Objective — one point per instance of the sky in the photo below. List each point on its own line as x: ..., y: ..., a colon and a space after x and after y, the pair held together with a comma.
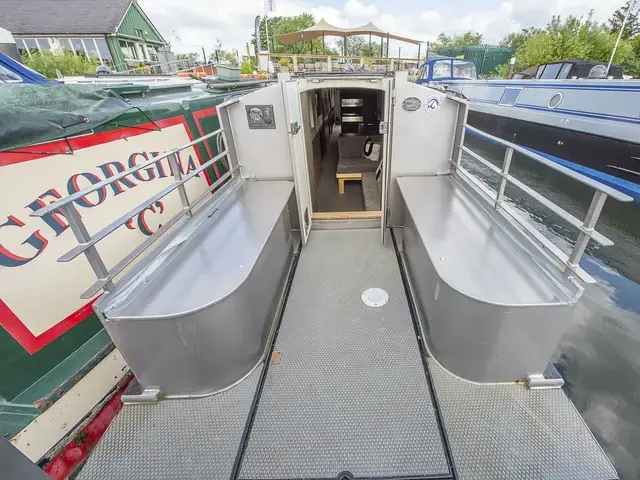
x: 190, y: 25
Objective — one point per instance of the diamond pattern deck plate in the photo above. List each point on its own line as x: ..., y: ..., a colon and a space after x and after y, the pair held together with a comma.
x: 509, y: 432
x: 175, y: 439
x: 349, y: 392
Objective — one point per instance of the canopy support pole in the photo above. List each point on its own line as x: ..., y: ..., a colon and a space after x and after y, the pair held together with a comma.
x: 370, y: 52
x: 323, y: 47
x: 418, y: 64
x: 381, y: 45
x: 387, y: 45
x: 266, y: 31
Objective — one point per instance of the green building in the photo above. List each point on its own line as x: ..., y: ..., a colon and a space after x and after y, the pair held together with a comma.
x: 116, y: 32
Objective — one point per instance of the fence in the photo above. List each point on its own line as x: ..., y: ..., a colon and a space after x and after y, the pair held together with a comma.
x: 487, y: 57
x: 337, y: 63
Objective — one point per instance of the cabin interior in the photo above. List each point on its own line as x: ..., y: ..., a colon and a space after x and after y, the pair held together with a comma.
x: 344, y: 149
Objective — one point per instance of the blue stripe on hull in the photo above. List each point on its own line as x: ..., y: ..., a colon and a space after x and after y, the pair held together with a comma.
x: 630, y: 188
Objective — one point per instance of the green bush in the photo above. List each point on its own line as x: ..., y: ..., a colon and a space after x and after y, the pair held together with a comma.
x: 246, y: 67
x: 67, y: 63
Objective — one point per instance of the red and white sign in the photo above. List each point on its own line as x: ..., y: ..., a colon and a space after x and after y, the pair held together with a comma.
x: 40, y: 297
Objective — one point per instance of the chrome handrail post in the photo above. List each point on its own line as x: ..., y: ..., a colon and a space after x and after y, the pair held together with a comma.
x: 597, y: 203
x: 508, y: 155
x: 177, y: 175
x: 82, y: 235
x: 459, y: 132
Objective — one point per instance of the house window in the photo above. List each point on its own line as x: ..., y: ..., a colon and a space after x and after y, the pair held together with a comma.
x: 43, y: 44
x: 128, y: 50
x: 139, y: 33
x: 103, y: 48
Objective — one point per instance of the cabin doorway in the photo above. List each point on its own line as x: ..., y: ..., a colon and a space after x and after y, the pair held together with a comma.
x: 344, y: 150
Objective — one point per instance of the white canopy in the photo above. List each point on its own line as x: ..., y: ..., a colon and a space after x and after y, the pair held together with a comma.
x: 323, y: 28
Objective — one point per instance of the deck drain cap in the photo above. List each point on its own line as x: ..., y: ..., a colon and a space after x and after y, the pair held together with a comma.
x: 375, y: 297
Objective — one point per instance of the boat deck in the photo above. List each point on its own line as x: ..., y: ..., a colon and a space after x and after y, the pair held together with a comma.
x: 348, y: 394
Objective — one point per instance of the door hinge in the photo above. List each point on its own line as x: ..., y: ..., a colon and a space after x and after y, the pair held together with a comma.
x: 294, y: 128
x: 384, y: 128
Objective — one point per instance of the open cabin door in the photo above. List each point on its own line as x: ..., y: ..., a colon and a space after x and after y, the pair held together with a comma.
x: 385, y: 130
x: 293, y: 113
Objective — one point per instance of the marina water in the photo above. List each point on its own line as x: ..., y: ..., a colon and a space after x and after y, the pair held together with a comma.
x: 599, y: 356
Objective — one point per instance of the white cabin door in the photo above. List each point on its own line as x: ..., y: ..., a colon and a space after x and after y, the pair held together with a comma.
x: 293, y: 113
x: 385, y: 129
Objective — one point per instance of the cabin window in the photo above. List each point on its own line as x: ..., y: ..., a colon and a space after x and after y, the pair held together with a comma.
x: 539, y: 71
x: 424, y: 71
x: 599, y: 71
x: 510, y: 96
x: 442, y: 69
x: 464, y: 69
x: 551, y: 71
x: 566, y: 70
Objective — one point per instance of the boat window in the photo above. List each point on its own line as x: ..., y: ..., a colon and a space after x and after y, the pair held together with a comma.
x: 423, y: 71
x: 510, y: 96
x: 464, y: 69
x: 566, y: 70
x: 442, y: 69
x: 598, y: 71
x: 8, y: 76
x: 540, y: 71
x: 551, y: 70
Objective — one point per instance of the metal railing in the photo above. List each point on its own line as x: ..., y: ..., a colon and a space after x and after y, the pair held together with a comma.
x: 585, y: 227
x: 336, y: 62
x: 87, y: 242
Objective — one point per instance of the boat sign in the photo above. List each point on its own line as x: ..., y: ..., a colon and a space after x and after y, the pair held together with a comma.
x: 411, y: 104
x: 30, y: 246
x: 432, y: 105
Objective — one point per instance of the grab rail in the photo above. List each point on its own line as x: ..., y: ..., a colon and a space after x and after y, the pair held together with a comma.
x: 586, y: 226
x: 87, y: 243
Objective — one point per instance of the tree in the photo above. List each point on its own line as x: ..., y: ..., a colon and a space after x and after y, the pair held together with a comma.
x: 632, y: 27
x: 516, y: 39
x: 467, y: 39
x: 66, y: 63
x: 225, y: 57
x: 279, y: 25
x: 576, y: 37
x: 192, y: 57
x: 358, y: 46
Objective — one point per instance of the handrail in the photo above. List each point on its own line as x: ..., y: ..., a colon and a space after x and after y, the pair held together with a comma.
x: 586, y: 227
x: 104, y: 183
x: 113, y: 226
x: 613, y: 193
x: 87, y: 243
x: 142, y: 247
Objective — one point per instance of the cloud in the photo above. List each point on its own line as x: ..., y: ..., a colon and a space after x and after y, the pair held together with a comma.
x: 190, y: 25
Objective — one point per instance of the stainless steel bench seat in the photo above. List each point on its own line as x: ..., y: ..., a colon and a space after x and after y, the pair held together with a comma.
x: 201, y: 320
x: 493, y: 309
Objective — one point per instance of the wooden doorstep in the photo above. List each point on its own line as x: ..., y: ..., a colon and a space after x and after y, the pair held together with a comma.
x: 346, y: 215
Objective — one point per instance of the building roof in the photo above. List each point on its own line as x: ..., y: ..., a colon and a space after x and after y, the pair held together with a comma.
x: 60, y: 17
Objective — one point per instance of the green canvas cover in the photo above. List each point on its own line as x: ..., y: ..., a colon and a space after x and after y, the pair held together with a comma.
x: 32, y: 114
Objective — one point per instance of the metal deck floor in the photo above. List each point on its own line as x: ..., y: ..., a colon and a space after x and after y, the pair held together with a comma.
x: 350, y: 392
